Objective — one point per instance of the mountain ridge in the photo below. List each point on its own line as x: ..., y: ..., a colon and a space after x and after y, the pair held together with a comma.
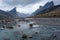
x: 48, y: 5
x: 48, y: 10
x: 51, y: 14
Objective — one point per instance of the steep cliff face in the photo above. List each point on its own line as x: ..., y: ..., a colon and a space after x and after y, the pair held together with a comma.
x: 53, y: 13
x: 7, y: 18
x: 5, y: 14
x: 13, y: 12
x: 48, y: 5
x: 8, y: 14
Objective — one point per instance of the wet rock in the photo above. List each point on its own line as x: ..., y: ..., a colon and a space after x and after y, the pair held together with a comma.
x: 10, y: 27
x: 24, y: 36
x: 19, y: 25
x: 30, y: 36
x: 2, y: 28
x: 2, y: 21
x: 36, y: 32
x: 30, y: 25
x: 27, y: 20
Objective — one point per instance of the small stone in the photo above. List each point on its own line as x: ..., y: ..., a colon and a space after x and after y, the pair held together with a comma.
x: 24, y: 36
x: 36, y: 32
x: 30, y: 25
x: 30, y: 36
x: 10, y: 27
x: 2, y: 28
x: 19, y: 25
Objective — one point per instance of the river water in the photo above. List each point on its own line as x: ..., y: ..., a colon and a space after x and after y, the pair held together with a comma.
x: 43, y: 29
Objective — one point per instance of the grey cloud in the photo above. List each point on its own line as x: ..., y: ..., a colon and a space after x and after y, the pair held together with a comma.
x: 56, y: 2
x: 26, y: 2
x: 20, y: 2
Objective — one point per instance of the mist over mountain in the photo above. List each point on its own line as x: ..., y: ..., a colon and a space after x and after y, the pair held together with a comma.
x: 22, y: 14
x: 49, y: 6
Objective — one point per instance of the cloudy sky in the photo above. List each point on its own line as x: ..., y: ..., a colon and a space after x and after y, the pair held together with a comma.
x: 24, y: 6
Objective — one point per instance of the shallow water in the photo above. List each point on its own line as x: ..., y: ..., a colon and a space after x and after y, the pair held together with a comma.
x: 42, y: 30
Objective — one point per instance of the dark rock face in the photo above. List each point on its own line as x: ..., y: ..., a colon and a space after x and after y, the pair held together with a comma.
x: 5, y: 14
x: 13, y: 12
x: 10, y: 14
x: 42, y: 8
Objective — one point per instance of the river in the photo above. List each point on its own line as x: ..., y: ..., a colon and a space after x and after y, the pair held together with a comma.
x: 43, y: 29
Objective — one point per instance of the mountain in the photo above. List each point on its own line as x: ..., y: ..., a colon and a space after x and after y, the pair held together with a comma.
x: 17, y: 14
x: 47, y: 7
x: 13, y: 12
x: 5, y: 14
x: 22, y: 14
x: 54, y: 12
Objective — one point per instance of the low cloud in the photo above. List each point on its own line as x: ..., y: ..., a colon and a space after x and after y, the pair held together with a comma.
x: 56, y: 2
x: 24, y: 6
x: 20, y: 2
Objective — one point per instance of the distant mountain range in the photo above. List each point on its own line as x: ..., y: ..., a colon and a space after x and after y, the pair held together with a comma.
x: 22, y: 14
x: 48, y: 10
x: 13, y: 13
x: 5, y: 14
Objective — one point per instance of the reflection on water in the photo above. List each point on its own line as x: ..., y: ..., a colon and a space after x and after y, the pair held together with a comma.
x: 41, y: 30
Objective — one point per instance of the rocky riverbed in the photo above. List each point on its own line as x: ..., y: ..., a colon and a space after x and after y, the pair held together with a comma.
x: 42, y: 29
